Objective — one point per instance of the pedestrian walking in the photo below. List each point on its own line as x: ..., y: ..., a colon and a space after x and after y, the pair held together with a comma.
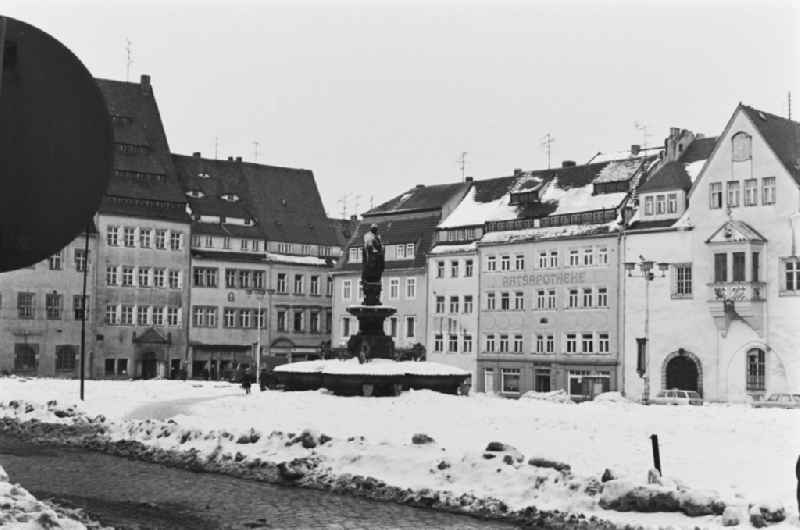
x: 262, y: 380
x: 246, y: 382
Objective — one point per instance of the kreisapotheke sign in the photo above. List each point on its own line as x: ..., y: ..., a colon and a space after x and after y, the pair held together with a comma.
x: 538, y: 279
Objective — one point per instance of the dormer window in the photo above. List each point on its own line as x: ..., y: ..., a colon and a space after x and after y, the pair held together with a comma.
x: 230, y: 197
x: 195, y: 194
x: 742, y: 147
x: 524, y: 197
x: 203, y: 175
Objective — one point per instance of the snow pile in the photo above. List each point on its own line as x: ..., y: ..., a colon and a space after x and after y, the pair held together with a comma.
x: 555, y: 396
x: 693, y: 168
x: 619, y: 171
x: 611, y: 397
x: 299, y: 260
x: 582, y: 199
x: 301, y: 367
x: 549, y: 232
x: 373, y: 367
x: 429, y: 368
x: 353, y: 367
x: 20, y: 509
x: 454, y: 249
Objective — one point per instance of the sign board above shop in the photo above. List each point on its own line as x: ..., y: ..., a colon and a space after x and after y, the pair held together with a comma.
x: 605, y: 275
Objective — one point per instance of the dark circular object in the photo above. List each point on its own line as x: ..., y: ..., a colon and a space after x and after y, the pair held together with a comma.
x: 56, y: 145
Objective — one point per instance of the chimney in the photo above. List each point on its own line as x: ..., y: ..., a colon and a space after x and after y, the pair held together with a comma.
x: 230, y: 159
x: 196, y: 154
x: 418, y: 186
x: 674, y: 132
x: 568, y: 163
x: 468, y: 179
x: 238, y: 159
x: 354, y: 217
x: 635, y: 148
x: 144, y: 83
x: 517, y: 171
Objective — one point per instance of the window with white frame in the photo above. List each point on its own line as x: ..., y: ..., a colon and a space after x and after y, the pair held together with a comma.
x: 144, y: 237
x: 503, y: 343
x: 111, y: 275
x: 112, y: 236
x: 602, y: 296
x: 175, y: 241
x: 314, y: 286
x: 411, y: 288
x: 756, y: 370
x: 574, y: 258
x: 602, y: 343
x: 550, y: 344
x: 733, y: 193
x: 588, y: 257
x: 768, y: 190
x: 682, y: 280
x: 519, y: 262
x: 573, y: 298
x: 159, y: 277
x: 505, y: 301
x: 491, y: 263
x: 751, y: 192
x: 571, y: 342
x: 347, y: 289
x: 111, y: 314
x: 440, y: 304
x: 454, y: 269
x: 505, y: 263
x: 411, y: 327
x: 298, y: 284
x: 56, y: 261
x: 209, y: 242
x: 672, y: 203
x: 539, y: 343
x: 466, y: 343
x: 175, y: 279
x: 127, y: 276
x: 440, y: 269
x: 126, y: 315
x: 394, y: 288
x: 489, y: 343
x: 282, y: 287
x: 452, y: 343
x: 129, y: 236
x: 158, y: 315
x: 715, y: 195
x: 542, y: 260
x: 551, y: 299
x: 491, y: 301
x: 602, y: 256
x: 519, y: 301
x: 438, y: 345
x: 143, y: 314
x: 541, y: 299
x: 173, y: 316
x: 587, y: 343
x: 648, y: 205
x: 161, y: 239
x: 468, y: 268
x: 791, y: 269
x: 354, y: 255
x: 517, y: 345
x: 509, y: 380
x: 144, y: 275
x: 660, y: 204
x: 468, y: 303
x: 587, y: 297
x: 454, y: 304
x: 553, y: 259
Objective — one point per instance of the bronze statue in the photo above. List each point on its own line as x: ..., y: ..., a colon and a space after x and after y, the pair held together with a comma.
x: 372, y: 264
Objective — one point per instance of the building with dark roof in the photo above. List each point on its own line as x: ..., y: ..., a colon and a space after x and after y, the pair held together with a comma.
x: 711, y: 298
x: 141, y: 294
x: 406, y: 224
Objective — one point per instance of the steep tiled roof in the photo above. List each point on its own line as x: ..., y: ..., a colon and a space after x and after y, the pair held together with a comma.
x: 344, y: 229
x: 420, y: 198
x: 699, y: 149
x: 287, y: 204
x: 417, y: 230
x: 224, y: 177
x: 670, y: 176
x: 145, y: 172
x: 782, y: 135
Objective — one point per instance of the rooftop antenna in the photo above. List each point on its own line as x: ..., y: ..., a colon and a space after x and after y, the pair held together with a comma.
x: 462, y: 163
x: 216, y: 147
x: 129, y: 62
x: 343, y: 202
x: 371, y: 202
x: 357, y: 197
x: 255, y: 150
x: 645, y: 135
x: 789, y: 97
x: 546, y: 142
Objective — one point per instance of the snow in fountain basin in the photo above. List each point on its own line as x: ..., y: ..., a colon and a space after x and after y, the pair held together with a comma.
x: 372, y: 367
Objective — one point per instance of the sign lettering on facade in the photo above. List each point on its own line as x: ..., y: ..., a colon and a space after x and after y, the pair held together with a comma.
x: 543, y: 278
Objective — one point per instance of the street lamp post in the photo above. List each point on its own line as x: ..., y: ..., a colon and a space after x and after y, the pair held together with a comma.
x: 260, y: 293
x: 645, y: 272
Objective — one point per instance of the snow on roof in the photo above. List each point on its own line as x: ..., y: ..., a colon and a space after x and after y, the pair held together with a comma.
x: 550, y: 232
x: 693, y: 168
x: 452, y: 249
x: 574, y: 200
x: 470, y: 212
x: 299, y: 260
x: 619, y: 171
x: 624, y: 155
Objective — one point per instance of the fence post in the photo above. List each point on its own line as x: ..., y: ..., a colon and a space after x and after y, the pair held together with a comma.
x: 656, y: 453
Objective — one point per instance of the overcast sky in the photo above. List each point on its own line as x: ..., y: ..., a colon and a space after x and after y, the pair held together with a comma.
x: 377, y: 99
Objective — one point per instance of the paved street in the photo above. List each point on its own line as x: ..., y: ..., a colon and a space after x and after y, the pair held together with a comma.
x: 138, y: 495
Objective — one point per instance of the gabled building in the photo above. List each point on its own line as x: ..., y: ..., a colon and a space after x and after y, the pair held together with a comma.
x: 406, y: 225
x: 41, y: 313
x: 141, y: 295
x: 711, y: 296
x: 262, y: 251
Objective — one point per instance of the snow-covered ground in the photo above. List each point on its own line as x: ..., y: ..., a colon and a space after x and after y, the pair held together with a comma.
x: 746, y: 455
x: 19, y: 509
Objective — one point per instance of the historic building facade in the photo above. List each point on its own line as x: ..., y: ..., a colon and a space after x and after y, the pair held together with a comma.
x: 712, y: 299
x: 41, y: 314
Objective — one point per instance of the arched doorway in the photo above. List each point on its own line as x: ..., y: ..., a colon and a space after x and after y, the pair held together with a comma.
x: 682, y: 372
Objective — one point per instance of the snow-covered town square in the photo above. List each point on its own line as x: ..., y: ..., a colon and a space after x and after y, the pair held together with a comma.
x: 399, y: 265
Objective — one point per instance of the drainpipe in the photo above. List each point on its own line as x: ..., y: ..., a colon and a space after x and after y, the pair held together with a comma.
x: 621, y: 339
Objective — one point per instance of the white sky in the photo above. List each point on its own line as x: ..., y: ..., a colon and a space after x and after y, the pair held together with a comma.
x: 378, y: 98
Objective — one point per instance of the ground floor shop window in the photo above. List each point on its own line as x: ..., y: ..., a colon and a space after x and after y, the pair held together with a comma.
x: 756, y: 369
x: 585, y: 384
x: 25, y: 357
x: 65, y: 358
x: 510, y: 380
x: 116, y: 367
x: 488, y: 379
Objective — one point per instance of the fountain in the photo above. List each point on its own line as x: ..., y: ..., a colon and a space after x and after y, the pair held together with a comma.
x: 377, y: 371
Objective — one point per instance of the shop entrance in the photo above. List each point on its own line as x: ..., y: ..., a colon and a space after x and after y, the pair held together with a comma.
x: 149, y: 365
x: 682, y: 373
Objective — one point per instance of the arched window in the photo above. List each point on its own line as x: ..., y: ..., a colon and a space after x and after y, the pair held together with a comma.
x: 756, y: 368
x: 742, y: 147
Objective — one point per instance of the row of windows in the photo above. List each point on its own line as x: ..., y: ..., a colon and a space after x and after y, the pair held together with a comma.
x: 454, y: 306
x: 547, y: 300
x: 131, y: 236
x: 250, y: 318
x: 199, y: 241
x: 129, y: 276
x: 26, y: 357
x: 53, y: 306
x: 409, y: 291
x: 298, y: 284
x: 402, y: 251
x: 572, y: 342
x: 391, y: 327
x: 661, y: 204
x: 56, y: 261
x: 733, y: 195
x: 549, y: 259
x: 454, y: 268
x: 145, y: 315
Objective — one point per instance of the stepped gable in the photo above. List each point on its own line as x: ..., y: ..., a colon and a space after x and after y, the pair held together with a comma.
x: 420, y: 198
x: 287, y: 204
x: 417, y: 230
x: 670, y: 176
x: 144, y: 183
x: 781, y: 134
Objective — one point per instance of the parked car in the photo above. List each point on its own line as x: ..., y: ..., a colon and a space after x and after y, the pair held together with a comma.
x: 677, y: 397
x: 779, y: 401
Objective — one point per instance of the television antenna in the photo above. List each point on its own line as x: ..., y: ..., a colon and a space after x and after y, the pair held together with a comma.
x: 129, y: 61
x: 462, y: 163
x: 645, y: 135
x: 546, y: 142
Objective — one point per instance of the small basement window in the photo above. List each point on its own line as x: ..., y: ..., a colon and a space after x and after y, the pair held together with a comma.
x: 230, y: 197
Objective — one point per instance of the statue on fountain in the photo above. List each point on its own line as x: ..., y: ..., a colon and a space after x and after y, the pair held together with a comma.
x: 372, y: 265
